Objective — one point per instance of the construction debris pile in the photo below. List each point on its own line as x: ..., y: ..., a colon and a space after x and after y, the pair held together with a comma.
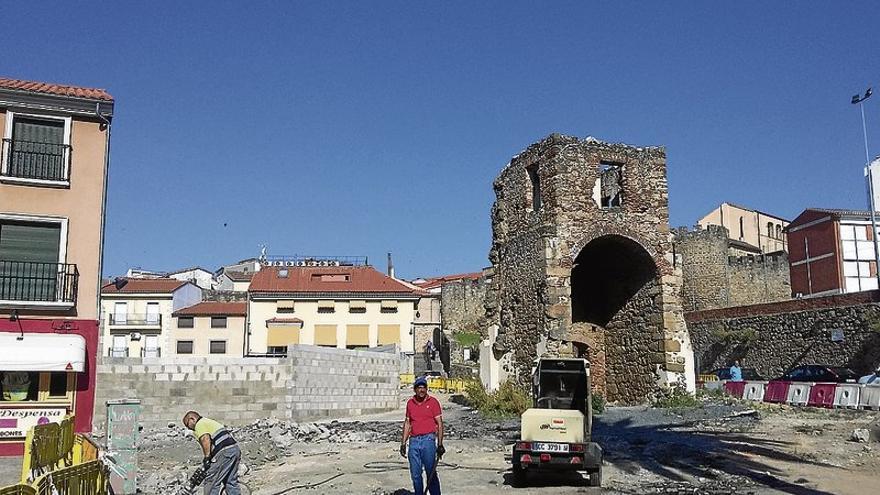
x: 267, y: 440
x: 720, y: 447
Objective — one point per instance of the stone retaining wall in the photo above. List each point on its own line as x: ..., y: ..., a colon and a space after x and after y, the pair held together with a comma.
x: 311, y: 383
x: 841, y: 330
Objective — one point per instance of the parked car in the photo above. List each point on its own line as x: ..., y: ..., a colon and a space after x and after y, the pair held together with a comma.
x: 820, y: 373
x: 747, y: 374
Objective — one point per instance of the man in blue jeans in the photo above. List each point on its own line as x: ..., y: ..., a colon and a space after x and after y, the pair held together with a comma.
x: 423, y: 429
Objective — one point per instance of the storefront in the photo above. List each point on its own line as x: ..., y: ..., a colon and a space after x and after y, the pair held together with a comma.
x: 47, y: 371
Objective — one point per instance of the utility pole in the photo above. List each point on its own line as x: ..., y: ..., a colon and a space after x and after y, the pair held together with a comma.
x: 860, y: 101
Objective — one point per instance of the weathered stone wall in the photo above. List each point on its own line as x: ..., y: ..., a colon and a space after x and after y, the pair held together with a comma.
x: 565, y: 257
x: 776, y: 337
x: 713, y: 279
x: 704, y: 267
x: 463, y: 309
x: 758, y: 279
x: 311, y: 383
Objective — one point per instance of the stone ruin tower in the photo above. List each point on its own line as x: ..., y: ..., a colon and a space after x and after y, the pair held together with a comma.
x: 584, y: 266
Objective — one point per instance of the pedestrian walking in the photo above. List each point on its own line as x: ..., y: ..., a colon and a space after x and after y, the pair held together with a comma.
x: 221, y: 454
x: 423, y: 434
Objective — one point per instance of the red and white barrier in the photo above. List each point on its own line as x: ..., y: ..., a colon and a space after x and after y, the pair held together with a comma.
x: 846, y: 395
x: 869, y: 397
x: 798, y: 393
x: 828, y: 395
x: 754, y: 391
x: 822, y: 395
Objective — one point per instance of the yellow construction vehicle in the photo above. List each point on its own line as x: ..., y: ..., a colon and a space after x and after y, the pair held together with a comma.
x: 556, y: 431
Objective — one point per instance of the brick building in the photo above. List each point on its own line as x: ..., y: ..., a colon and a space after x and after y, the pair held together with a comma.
x: 831, y: 251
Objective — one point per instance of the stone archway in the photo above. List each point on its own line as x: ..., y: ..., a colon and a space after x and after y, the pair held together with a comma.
x: 617, y: 314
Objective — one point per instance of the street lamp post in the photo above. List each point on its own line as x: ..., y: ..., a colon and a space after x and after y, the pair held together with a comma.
x: 860, y: 100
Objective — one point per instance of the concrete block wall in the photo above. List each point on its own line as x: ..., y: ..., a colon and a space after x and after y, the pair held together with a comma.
x: 329, y: 383
x: 311, y: 383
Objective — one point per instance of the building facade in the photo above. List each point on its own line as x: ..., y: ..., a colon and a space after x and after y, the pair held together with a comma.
x: 197, y: 275
x: 53, y: 180
x: 209, y: 329
x: 234, y: 281
x: 137, y: 314
x: 761, y: 232
x: 831, y: 252
x: 338, y: 306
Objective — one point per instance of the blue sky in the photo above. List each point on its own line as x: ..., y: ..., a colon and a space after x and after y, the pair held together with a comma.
x: 357, y: 128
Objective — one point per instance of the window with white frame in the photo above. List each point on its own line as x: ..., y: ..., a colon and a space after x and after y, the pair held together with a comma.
x: 32, y: 254
x: 36, y: 148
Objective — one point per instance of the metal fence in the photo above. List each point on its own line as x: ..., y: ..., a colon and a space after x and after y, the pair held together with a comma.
x: 90, y: 478
x: 135, y: 319
x: 36, y: 160
x: 38, y: 281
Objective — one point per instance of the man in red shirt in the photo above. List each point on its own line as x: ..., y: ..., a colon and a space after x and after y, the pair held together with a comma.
x: 423, y: 429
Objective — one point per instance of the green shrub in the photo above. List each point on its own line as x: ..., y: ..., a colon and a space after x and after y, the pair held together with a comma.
x: 675, y: 397
x: 468, y: 339
x: 509, y: 400
x: 598, y: 403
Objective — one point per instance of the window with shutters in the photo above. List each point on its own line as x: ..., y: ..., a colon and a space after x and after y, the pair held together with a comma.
x: 32, y: 267
x: 184, y: 346
x: 36, y: 149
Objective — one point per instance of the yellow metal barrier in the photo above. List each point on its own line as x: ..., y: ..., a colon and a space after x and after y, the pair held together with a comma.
x: 91, y: 478
x: 18, y: 490
x: 448, y: 385
x: 46, y: 446
x: 707, y: 378
x: 58, y: 461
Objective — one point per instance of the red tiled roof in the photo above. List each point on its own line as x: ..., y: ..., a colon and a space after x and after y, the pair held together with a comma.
x: 55, y: 89
x: 365, y: 279
x: 214, y: 308
x: 144, y: 286
x: 434, y: 282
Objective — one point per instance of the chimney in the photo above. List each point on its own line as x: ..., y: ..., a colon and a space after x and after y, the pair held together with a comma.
x: 390, y: 266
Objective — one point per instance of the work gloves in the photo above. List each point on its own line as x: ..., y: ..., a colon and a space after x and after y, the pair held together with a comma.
x: 206, y: 463
x: 440, y: 450
x: 403, y: 450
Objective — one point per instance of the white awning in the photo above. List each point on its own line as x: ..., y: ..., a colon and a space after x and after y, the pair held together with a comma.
x: 42, y: 352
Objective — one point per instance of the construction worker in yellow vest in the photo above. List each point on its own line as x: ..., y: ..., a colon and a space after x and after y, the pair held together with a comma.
x: 221, y: 453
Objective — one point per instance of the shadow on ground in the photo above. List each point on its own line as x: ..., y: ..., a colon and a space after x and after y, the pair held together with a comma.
x: 682, y: 452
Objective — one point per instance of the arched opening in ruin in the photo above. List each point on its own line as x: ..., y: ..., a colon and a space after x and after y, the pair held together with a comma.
x: 616, y: 311
x: 607, y: 273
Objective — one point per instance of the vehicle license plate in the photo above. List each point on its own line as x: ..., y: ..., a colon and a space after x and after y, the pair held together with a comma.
x: 551, y: 447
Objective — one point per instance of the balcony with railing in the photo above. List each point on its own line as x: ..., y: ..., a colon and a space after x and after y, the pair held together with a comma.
x: 136, y: 320
x: 117, y: 352
x: 37, y: 283
x: 35, y: 161
x: 151, y: 352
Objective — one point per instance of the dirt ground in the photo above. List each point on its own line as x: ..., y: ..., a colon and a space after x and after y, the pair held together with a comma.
x: 718, y: 448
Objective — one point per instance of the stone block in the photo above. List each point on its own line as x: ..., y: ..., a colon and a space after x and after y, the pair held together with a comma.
x: 675, y: 367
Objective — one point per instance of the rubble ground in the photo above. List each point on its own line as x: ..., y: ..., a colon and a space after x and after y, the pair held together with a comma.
x: 720, y: 447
